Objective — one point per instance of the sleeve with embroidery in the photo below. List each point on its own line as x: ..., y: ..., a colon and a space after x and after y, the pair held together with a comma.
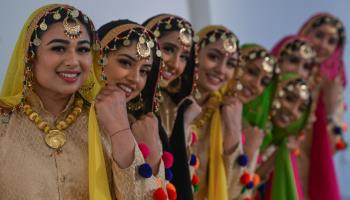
x: 130, y: 185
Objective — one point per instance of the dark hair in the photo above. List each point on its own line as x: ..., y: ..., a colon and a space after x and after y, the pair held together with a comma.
x: 148, y: 94
x: 49, y: 19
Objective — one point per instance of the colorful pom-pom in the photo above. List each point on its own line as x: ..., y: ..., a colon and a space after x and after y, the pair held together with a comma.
x: 159, y: 194
x: 195, y: 188
x: 168, y: 159
x: 243, y: 137
x: 144, y: 150
x: 242, y: 160
x: 340, y: 145
x: 245, y: 178
x: 194, y: 138
x: 195, y: 179
x: 171, y: 191
x: 256, y: 179
x: 168, y: 174
x: 250, y: 185
x: 145, y: 170
x: 193, y: 160
x: 337, y: 130
x: 296, y: 152
x: 259, y: 160
x: 196, y: 166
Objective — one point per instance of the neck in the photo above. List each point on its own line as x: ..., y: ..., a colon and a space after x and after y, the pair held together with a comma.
x: 53, y: 102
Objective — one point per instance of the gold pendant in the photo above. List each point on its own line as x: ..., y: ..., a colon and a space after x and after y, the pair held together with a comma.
x: 55, y: 139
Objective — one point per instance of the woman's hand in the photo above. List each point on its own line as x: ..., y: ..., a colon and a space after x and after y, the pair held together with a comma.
x: 113, y: 118
x: 111, y: 109
x: 231, y: 114
x: 145, y: 130
x: 253, y: 140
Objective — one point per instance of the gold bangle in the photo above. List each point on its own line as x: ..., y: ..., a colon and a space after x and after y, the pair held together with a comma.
x: 115, y: 133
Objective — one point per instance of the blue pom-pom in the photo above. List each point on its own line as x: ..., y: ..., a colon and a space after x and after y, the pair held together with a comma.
x: 262, y: 187
x: 145, y: 170
x: 168, y: 174
x: 193, y: 160
x: 242, y: 160
x: 337, y: 130
x: 250, y: 185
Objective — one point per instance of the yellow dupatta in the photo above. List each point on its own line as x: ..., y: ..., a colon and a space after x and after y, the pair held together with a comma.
x: 217, y: 174
x: 11, y: 95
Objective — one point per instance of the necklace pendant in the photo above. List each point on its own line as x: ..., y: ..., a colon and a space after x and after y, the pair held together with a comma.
x: 55, y: 139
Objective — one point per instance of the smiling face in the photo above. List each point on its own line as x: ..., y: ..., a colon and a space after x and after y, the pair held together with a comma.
x: 254, y: 79
x: 325, y: 39
x: 216, y: 66
x: 292, y: 106
x: 175, y: 56
x: 296, y: 63
x: 127, y: 70
x: 62, y: 64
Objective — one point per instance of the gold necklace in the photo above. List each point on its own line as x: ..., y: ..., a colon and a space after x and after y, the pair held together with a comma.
x: 55, y: 138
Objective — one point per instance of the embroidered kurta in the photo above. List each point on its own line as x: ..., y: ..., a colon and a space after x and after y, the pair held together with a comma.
x: 31, y: 170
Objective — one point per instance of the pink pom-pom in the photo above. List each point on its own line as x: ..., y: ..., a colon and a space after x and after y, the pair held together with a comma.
x: 144, y: 150
x: 194, y: 138
x: 243, y: 137
x: 168, y: 159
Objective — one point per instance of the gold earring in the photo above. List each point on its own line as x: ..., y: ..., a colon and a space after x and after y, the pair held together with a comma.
x: 175, y: 86
x: 136, y: 106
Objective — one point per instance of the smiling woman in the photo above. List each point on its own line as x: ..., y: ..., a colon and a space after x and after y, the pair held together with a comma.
x: 43, y: 131
x: 129, y: 61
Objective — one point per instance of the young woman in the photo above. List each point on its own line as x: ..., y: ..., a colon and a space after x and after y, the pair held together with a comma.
x: 129, y: 63
x: 44, y: 100
x: 258, y: 70
x: 218, y: 141
x: 289, y: 115
x: 177, y: 108
x: 327, y: 35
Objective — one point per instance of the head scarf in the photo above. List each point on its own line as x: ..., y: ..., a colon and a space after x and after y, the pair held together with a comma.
x: 12, y: 93
x: 334, y: 65
x: 217, y: 186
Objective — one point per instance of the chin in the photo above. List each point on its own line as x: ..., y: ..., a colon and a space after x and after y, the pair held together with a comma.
x: 279, y: 123
x: 164, y: 83
x: 212, y: 88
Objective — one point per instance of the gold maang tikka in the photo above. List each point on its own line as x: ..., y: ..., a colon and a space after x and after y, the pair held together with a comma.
x: 71, y: 24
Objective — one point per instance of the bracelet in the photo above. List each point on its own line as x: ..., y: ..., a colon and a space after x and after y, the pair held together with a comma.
x: 115, y: 133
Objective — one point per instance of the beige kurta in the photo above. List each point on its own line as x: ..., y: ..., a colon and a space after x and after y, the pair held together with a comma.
x: 31, y: 170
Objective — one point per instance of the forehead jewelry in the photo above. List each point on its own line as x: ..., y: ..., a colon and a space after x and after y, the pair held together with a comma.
x: 71, y: 24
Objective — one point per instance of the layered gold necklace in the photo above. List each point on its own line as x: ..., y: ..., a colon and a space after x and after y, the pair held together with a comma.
x: 55, y: 138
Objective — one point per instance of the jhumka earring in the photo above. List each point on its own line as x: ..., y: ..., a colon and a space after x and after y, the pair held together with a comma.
x: 175, y: 86
x: 197, y: 93
x: 136, y: 106
x: 103, y: 62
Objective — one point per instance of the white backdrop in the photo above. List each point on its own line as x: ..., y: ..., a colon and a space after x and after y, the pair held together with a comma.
x: 263, y: 22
